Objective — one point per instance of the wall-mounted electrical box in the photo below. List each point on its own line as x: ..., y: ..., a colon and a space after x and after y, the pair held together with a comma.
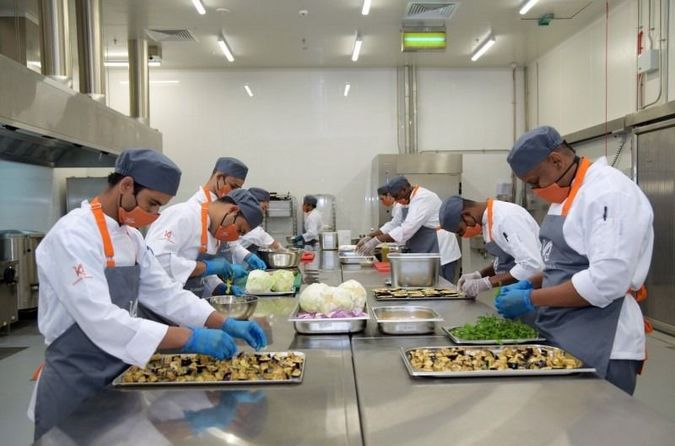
x: 648, y: 61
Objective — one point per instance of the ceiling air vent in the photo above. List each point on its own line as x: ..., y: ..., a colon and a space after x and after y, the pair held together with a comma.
x: 171, y: 35
x: 430, y: 10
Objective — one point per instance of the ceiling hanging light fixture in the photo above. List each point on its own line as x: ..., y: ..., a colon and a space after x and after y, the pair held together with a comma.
x: 222, y: 43
x: 199, y: 6
x: 527, y: 6
x: 482, y: 49
x: 358, y: 41
x: 366, y: 7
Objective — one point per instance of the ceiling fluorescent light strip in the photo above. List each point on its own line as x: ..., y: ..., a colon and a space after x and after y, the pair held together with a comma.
x: 366, y: 7
x: 248, y: 90
x: 358, y: 41
x: 222, y: 43
x: 199, y: 6
x: 483, y: 48
x: 348, y: 86
x: 527, y: 6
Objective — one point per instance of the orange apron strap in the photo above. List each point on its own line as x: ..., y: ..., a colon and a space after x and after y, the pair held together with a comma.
x: 490, y: 215
x: 205, y: 218
x: 97, y: 209
x: 578, y: 181
x: 207, y: 194
x: 639, y: 295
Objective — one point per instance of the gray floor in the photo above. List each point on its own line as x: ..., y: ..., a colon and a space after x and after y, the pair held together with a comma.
x: 656, y: 387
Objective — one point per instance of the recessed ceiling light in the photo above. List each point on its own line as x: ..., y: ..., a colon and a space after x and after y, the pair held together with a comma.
x: 482, y: 49
x: 222, y: 43
x: 358, y: 41
x: 527, y: 6
x: 348, y: 86
x: 199, y: 6
x: 366, y: 7
x: 223, y: 10
x: 248, y: 90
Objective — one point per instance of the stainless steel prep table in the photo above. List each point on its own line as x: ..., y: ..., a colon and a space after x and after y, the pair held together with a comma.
x: 396, y: 409
x: 391, y: 407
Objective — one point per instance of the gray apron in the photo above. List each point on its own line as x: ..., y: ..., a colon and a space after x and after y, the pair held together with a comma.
x: 75, y: 368
x: 503, y: 261
x: 425, y: 241
x: 586, y: 332
x: 196, y: 284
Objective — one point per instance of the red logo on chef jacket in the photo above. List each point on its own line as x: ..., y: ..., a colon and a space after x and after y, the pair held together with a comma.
x: 168, y: 235
x: 80, y: 273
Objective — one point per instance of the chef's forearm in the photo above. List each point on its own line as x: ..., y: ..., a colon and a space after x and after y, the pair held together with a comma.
x: 386, y: 238
x: 175, y: 337
x: 563, y: 295
x: 200, y: 269
x: 488, y: 271
x: 215, y: 320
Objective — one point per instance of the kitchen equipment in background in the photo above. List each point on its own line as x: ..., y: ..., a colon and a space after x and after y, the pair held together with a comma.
x: 79, y: 189
x: 288, y: 258
x: 414, y: 270
x: 8, y: 290
x: 22, y: 246
x: 329, y: 241
x: 325, y: 204
x: 344, y: 237
x: 281, y: 217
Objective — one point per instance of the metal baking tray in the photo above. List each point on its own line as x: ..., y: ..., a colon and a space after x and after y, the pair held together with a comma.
x: 460, y: 341
x: 385, y: 298
x: 329, y: 325
x: 118, y: 382
x: 489, y: 373
x: 406, y: 320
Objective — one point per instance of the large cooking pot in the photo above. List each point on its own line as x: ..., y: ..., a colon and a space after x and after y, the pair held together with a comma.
x: 287, y: 258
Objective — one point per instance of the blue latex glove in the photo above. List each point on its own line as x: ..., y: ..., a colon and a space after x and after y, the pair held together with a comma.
x: 255, y: 262
x: 238, y: 271
x: 210, y: 342
x: 237, y: 291
x: 298, y: 241
x: 219, y: 266
x: 249, y: 331
x: 521, y: 285
x: 514, y: 303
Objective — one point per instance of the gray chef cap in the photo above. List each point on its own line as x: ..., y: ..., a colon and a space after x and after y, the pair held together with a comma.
x: 150, y: 169
x: 532, y: 148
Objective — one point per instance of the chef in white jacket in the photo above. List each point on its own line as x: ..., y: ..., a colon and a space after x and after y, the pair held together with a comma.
x: 420, y: 231
x: 312, y: 223
x: 398, y: 214
x: 94, y: 268
x: 597, y: 242
x: 228, y: 174
x: 511, y: 236
x: 187, y: 236
x: 258, y: 238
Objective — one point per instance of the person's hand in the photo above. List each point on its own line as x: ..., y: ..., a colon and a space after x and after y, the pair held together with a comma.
x: 298, y: 241
x: 255, y: 262
x: 220, y: 290
x: 238, y: 271
x: 468, y: 276
x: 521, y: 285
x: 368, y: 247
x: 362, y: 242
x: 206, y: 341
x: 472, y: 287
x: 514, y: 303
x: 249, y: 331
x: 237, y: 291
x: 219, y: 266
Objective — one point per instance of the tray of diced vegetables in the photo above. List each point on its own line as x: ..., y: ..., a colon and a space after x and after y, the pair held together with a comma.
x: 490, y: 329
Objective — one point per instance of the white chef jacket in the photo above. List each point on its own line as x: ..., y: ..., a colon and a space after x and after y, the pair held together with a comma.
x: 423, y: 212
x: 517, y: 234
x: 396, y: 219
x: 73, y: 288
x: 312, y: 225
x: 235, y: 250
x: 611, y: 223
x: 175, y: 239
x: 257, y: 237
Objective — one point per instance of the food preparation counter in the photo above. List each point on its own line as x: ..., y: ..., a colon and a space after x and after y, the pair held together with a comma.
x: 356, y: 391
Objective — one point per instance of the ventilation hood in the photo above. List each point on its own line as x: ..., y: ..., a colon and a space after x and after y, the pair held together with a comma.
x: 45, y: 123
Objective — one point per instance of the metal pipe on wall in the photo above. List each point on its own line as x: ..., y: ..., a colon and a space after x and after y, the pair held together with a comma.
x: 90, y: 48
x: 407, y: 109
x: 55, y: 51
x: 139, y: 93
